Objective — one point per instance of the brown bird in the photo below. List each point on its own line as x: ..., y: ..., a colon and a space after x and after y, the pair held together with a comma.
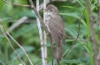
x: 55, y: 26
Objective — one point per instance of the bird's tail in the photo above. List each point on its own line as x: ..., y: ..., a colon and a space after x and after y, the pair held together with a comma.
x: 59, y: 54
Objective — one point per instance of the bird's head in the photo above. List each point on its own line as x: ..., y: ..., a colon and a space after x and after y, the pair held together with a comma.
x: 51, y: 10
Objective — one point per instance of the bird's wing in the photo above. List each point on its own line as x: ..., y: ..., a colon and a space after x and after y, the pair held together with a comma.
x: 57, y: 32
x: 56, y: 29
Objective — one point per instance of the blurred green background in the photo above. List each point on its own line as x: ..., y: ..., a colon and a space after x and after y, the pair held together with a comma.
x: 27, y: 33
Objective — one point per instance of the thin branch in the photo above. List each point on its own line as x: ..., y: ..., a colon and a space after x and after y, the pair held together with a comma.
x: 38, y: 15
x: 99, y: 17
x: 45, y: 36
x: 16, y: 4
x: 41, y: 6
x: 1, y: 28
x: 41, y: 20
x: 76, y: 37
x: 40, y: 34
x: 98, y: 56
x: 48, y: 1
x: 20, y: 47
x: 73, y: 42
x: 26, y: 21
x: 6, y: 32
x: 19, y: 22
x: 92, y: 37
x: 33, y: 7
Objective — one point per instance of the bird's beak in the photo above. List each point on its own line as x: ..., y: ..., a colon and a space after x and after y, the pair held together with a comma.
x: 45, y: 10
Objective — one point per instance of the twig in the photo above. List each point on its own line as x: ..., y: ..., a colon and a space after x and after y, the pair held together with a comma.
x: 38, y: 15
x: 41, y: 20
x: 98, y: 56
x: 1, y: 28
x: 73, y: 42
x: 76, y: 37
x: 41, y: 6
x: 45, y: 37
x: 26, y: 21
x: 40, y: 34
x: 20, y: 47
x: 16, y: 4
x: 19, y: 22
x: 92, y: 37
x: 33, y: 7
x: 17, y: 44
x: 48, y: 1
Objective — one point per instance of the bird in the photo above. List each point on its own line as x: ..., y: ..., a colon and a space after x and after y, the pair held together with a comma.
x: 55, y: 27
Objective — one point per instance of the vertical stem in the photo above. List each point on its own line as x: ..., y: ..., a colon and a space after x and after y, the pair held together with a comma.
x: 99, y: 13
x: 1, y: 28
x: 20, y: 47
x: 3, y: 31
x: 45, y: 37
x: 92, y: 37
x: 99, y: 21
x: 6, y: 53
x: 98, y: 57
x: 40, y: 34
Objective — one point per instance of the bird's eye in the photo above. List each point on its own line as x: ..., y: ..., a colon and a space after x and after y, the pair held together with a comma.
x: 50, y: 10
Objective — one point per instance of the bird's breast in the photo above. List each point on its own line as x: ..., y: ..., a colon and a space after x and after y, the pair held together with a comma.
x: 47, y: 16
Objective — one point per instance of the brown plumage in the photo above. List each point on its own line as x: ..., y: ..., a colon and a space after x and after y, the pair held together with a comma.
x: 55, y: 26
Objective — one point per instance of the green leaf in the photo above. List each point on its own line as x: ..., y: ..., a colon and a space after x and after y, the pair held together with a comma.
x: 79, y: 1
x: 73, y: 15
x: 71, y: 32
x: 69, y: 40
x: 97, y: 28
x: 1, y: 4
x: 54, y: 62
x: 48, y: 59
x: 71, y: 61
x: 1, y: 35
x: 14, y: 62
x: 27, y: 13
x: 71, y: 7
x: 25, y: 29
x: 2, y: 62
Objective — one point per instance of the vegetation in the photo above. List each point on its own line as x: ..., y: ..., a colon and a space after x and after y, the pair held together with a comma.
x: 73, y: 12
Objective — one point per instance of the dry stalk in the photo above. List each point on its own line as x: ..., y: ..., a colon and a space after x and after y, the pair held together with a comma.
x: 3, y: 31
x: 41, y: 36
x: 6, y: 32
x: 16, y: 4
x: 45, y: 36
x: 98, y: 56
x: 19, y: 22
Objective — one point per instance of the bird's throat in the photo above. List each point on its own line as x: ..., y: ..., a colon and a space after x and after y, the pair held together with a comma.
x: 48, y: 17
